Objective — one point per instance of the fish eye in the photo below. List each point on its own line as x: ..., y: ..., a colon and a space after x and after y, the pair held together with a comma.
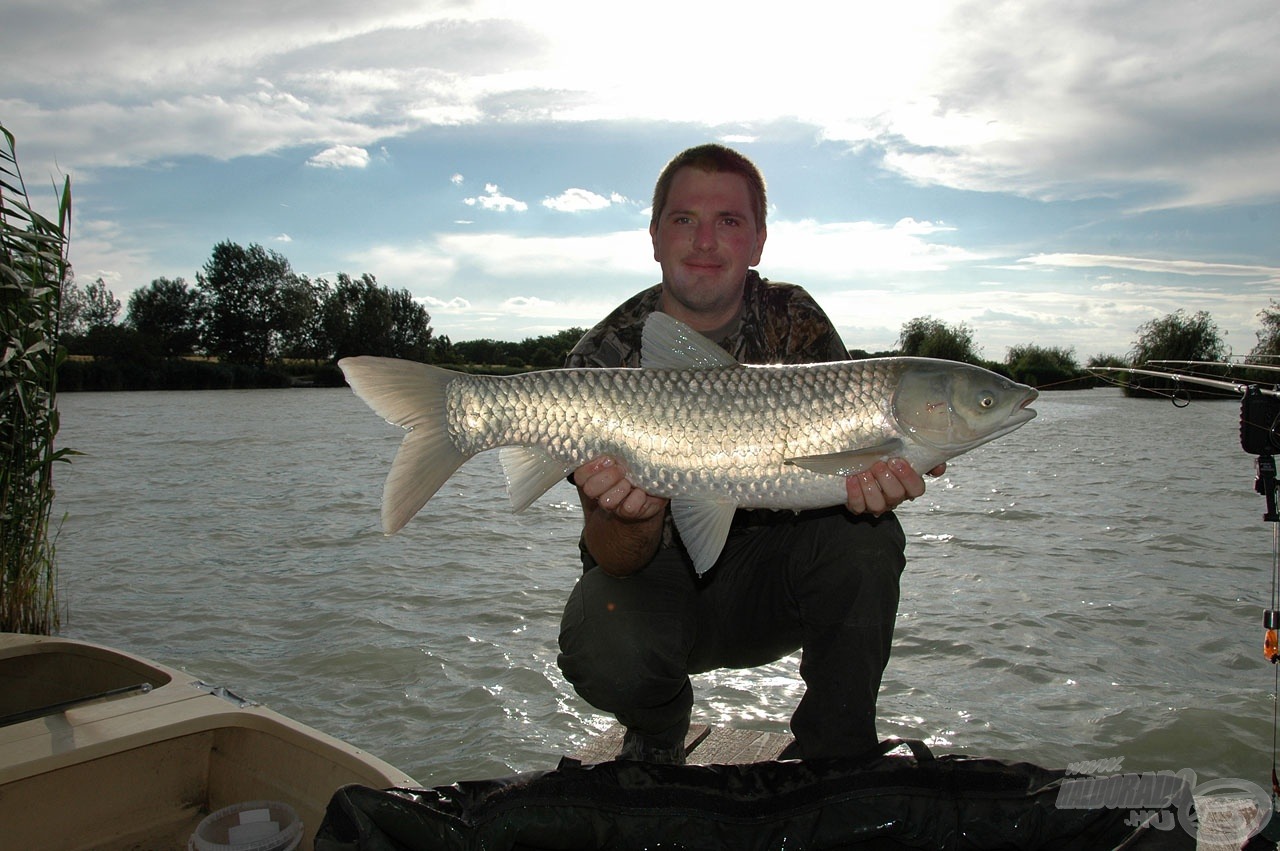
x: 987, y: 400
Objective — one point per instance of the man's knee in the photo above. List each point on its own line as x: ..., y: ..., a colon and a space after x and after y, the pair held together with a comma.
x: 622, y: 645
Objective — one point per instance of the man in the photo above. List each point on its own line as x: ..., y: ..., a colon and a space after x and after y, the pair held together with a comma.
x: 640, y: 621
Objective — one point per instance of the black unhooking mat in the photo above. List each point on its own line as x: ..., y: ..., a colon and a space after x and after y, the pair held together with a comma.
x: 887, y: 802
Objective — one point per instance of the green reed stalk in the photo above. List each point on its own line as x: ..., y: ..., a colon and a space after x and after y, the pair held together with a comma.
x: 33, y: 269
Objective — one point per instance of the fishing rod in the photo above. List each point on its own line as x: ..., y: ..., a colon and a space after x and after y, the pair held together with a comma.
x: 1178, y: 378
x: 1230, y: 365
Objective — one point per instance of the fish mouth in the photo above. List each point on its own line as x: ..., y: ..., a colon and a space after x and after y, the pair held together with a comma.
x: 1024, y: 413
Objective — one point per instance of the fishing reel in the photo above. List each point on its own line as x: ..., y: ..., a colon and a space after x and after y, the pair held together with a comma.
x: 1259, y: 422
x: 1260, y: 435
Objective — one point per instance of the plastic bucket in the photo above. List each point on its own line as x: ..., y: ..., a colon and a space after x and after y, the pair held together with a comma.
x: 249, y: 826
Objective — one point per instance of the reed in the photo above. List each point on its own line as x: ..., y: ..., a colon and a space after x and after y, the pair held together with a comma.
x: 33, y: 269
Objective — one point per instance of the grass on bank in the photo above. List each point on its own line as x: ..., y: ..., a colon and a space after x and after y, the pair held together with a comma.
x: 33, y: 268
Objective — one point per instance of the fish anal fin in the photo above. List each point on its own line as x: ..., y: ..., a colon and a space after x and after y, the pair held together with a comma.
x: 851, y: 461
x: 530, y: 473
x: 704, y: 526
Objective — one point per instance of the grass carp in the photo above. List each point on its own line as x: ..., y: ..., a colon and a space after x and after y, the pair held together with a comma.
x: 691, y: 425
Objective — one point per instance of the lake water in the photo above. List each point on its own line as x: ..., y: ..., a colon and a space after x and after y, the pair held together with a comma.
x: 1088, y: 587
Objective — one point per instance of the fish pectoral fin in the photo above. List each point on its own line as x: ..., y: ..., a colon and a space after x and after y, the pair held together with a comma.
x: 667, y: 343
x: 704, y: 526
x: 530, y: 473
x: 849, y: 462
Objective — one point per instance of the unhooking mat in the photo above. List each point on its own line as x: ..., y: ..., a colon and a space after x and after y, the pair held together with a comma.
x: 888, y: 802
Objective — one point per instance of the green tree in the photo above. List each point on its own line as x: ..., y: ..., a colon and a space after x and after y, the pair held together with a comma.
x: 362, y: 317
x: 255, y: 303
x: 1268, y: 347
x: 169, y: 313
x: 926, y: 337
x: 410, y: 326
x: 1175, y: 336
x: 73, y: 301
x: 551, y: 351
x: 297, y: 317
x: 1041, y: 366
x: 101, y: 307
x: 483, y: 351
x: 1178, y: 336
x: 1101, y: 359
x: 441, y: 350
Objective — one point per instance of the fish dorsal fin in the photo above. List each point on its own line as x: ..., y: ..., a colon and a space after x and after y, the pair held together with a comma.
x: 667, y: 343
x: 851, y: 461
x: 530, y: 473
x: 704, y: 526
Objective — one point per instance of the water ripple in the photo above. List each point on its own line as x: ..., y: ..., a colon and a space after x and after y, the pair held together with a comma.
x: 1089, y: 586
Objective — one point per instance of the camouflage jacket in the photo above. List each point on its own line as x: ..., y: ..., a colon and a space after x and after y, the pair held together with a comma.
x: 779, y: 323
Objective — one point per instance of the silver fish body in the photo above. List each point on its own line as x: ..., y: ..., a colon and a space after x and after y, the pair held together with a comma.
x: 692, y: 426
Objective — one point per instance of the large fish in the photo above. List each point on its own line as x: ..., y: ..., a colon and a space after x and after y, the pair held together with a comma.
x: 692, y: 425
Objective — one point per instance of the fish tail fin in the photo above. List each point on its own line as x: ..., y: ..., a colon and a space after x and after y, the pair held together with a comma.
x: 412, y: 396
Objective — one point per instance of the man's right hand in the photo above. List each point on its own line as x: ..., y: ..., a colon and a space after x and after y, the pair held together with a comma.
x: 605, y: 481
x: 622, y: 523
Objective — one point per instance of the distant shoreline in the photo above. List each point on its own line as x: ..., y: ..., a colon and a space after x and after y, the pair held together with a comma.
x: 109, y: 375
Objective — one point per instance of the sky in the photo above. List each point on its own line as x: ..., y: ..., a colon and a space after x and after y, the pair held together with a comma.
x: 1045, y: 172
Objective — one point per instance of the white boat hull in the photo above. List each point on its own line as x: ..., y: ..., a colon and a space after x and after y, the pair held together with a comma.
x: 141, y: 770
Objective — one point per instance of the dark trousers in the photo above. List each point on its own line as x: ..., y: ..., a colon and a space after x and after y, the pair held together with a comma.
x: 823, y: 582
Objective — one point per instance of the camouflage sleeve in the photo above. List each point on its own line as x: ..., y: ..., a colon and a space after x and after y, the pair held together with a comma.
x: 615, y: 341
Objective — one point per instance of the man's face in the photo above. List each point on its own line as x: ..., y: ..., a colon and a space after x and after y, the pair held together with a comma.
x: 705, y: 238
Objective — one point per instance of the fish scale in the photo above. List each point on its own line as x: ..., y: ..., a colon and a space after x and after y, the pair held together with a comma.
x: 725, y: 432
x: 692, y: 425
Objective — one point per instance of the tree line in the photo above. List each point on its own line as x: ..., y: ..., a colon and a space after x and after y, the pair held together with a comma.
x: 261, y: 323
x: 249, y: 310
x: 1175, y: 336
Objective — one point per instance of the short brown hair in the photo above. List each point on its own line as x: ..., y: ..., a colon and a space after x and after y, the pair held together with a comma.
x: 711, y: 158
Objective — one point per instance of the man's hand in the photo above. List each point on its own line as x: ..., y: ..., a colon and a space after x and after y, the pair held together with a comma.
x: 885, y: 486
x: 604, y: 481
x: 622, y: 525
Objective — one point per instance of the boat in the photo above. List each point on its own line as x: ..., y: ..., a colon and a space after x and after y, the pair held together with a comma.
x: 102, y: 749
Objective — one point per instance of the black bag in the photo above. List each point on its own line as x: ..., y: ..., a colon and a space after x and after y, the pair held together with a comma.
x: 888, y: 802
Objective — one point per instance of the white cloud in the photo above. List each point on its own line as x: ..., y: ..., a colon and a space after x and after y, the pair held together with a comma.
x: 509, y: 256
x: 530, y: 306
x: 1045, y: 99
x: 578, y: 200
x: 422, y: 264
x: 340, y: 156
x: 798, y: 249
x: 1147, y: 264
x: 454, y: 260
x: 453, y: 305
x: 493, y: 199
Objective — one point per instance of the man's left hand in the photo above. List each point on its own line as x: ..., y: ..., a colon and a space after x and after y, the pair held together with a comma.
x: 885, y: 486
